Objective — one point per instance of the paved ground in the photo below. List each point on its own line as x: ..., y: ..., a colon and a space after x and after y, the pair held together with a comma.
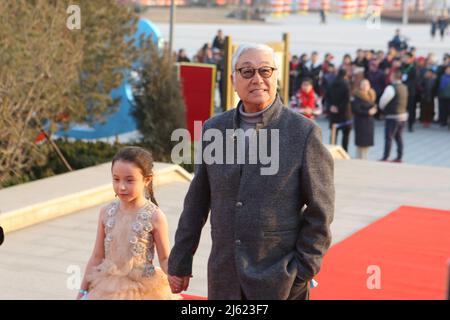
x: 39, y: 262
x: 338, y: 36
x: 425, y: 146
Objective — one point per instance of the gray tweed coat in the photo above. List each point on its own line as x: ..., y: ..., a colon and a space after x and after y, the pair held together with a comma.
x: 268, y: 232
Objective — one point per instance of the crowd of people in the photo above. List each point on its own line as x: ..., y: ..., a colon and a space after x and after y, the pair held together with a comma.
x: 373, y: 85
x: 350, y: 93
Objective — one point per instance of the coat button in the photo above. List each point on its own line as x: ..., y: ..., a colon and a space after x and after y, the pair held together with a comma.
x: 239, y: 204
x: 237, y: 242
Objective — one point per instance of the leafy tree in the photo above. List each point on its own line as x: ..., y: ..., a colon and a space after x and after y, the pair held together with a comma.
x: 52, y: 75
x: 39, y: 64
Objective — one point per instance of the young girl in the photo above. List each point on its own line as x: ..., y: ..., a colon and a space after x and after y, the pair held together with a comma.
x: 129, y: 230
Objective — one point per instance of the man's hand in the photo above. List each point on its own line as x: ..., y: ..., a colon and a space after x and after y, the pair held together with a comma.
x: 179, y: 284
x: 372, y: 111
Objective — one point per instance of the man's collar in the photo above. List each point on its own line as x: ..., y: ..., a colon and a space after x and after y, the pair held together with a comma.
x: 267, y: 117
x: 260, y: 112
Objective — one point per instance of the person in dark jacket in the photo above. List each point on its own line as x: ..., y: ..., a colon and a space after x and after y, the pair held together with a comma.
x: 409, y: 78
x: 302, y: 69
x: 444, y: 96
x: 347, y: 64
x: 442, y: 25
x: 364, y: 108
x: 219, y: 41
x: 399, y: 42
x: 340, y: 108
x: 376, y: 78
x: 440, y: 71
x: 269, y: 228
x: 427, y: 95
x: 386, y: 63
x: 360, y: 60
x: 433, y: 27
x: 314, y: 68
x: 325, y: 85
x: 293, y: 75
x: 182, y: 56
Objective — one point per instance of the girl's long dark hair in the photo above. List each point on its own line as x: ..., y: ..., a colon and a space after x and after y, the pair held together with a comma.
x: 143, y: 160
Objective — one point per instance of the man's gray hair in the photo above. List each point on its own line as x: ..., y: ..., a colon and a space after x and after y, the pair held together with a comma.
x: 256, y: 46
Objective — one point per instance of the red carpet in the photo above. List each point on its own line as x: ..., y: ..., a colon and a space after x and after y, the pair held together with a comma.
x: 411, y: 247
x: 192, y: 297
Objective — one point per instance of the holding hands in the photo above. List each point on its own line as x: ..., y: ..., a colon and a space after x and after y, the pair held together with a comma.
x: 179, y: 284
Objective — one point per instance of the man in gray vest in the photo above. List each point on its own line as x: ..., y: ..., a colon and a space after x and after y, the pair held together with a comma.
x: 394, y: 102
x: 270, y: 226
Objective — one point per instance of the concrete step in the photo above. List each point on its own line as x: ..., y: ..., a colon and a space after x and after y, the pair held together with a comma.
x: 34, y: 202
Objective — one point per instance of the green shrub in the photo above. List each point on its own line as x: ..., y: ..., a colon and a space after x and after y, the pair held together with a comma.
x: 159, y: 106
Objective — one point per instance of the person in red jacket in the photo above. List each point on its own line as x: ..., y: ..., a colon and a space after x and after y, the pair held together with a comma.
x: 306, y: 100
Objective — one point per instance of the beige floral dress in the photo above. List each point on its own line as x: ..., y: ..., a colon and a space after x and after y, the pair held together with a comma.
x: 127, y: 272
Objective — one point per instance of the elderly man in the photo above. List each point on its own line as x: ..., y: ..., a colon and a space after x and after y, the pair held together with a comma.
x: 269, y: 231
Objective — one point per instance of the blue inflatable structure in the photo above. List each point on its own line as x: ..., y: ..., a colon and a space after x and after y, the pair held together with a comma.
x: 120, y: 122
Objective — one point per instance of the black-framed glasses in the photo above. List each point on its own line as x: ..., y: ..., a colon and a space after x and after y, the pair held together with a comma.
x: 248, y: 73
